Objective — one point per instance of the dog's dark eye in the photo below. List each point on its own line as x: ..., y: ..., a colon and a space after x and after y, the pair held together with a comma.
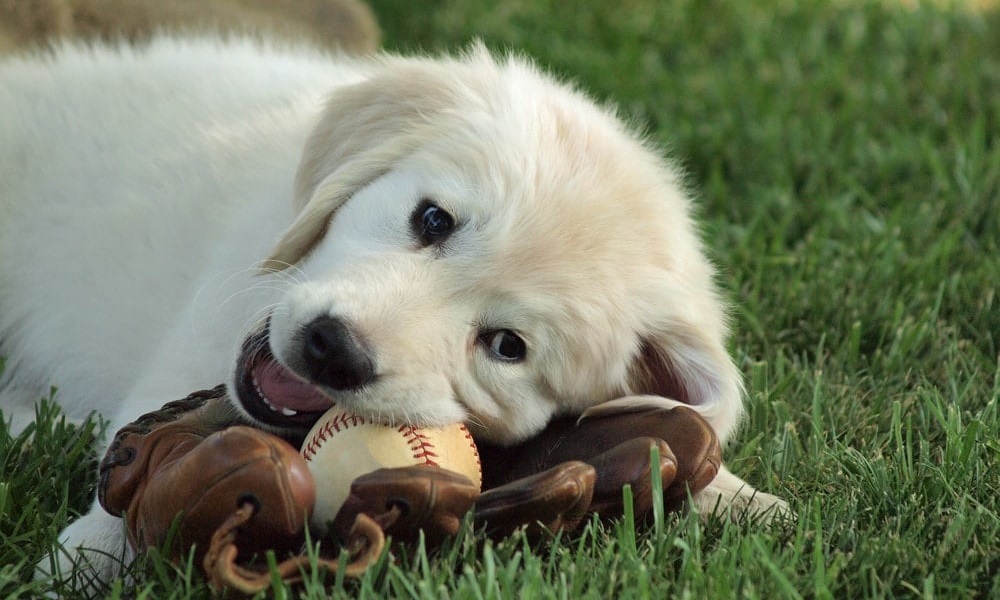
x: 504, y: 344
x: 431, y: 223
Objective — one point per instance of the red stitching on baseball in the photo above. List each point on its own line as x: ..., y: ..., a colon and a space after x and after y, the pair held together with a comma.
x: 337, y: 424
x: 475, y: 449
x: 421, y: 446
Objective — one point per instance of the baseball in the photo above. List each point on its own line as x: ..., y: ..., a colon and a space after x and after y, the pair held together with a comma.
x: 343, y: 446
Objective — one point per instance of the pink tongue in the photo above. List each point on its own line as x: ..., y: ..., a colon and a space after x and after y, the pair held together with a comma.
x: 284, y: 389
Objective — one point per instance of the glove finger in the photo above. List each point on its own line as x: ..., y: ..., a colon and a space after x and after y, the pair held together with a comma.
x: 698, y: 453
x: 691, y: 440
x: 629, y: 464
x: 123, y: 468
x: 227, y: 469
x: 690, y: 437
x: 128, y: 464
x: 549, y: 501
x: 406, y: 500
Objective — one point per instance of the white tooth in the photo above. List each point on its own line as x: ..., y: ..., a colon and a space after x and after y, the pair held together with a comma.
x: 284, y: 411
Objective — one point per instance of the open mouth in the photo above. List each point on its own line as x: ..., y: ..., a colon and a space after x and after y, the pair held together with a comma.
x: 273, y: 394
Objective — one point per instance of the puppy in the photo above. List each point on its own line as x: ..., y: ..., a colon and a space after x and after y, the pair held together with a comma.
x: 419, y: 240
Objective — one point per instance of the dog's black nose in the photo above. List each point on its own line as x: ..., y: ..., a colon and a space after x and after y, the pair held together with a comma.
x: 334, y: 356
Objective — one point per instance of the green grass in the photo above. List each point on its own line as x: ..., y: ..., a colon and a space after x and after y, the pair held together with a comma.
x: 847, y: 156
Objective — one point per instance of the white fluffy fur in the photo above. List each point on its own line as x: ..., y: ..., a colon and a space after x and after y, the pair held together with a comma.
x: 156, y: 205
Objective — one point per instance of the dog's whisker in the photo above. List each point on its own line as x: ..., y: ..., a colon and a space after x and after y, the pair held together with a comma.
x: 288, y: 272
x: 223, y: 305
x: 221, y: 280
x: 256, y: 320
x: 260, y: 315
x: 473, y: 420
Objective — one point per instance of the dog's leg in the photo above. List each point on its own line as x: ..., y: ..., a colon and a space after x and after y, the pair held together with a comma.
x: 92, y: 550
x: 729, y: 494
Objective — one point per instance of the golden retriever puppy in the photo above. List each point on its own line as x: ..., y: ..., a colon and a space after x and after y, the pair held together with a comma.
x: 423, y: 240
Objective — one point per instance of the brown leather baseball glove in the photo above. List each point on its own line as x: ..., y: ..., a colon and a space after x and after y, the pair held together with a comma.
x: 188, y: 476
x: 535, y: 483
x: 184, y: 479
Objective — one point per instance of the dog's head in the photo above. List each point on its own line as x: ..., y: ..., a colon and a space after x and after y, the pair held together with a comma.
x: 477, y: 242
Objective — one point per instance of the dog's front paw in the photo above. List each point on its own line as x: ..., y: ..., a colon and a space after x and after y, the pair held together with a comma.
x: 91, y: 552
x: 730, y: 495
x: 765, y: 508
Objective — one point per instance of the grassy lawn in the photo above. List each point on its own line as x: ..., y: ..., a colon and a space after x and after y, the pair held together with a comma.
x: 847, y: 156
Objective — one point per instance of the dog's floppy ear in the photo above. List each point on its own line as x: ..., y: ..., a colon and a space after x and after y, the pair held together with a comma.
x: 692, y: 367
x: 364, y: 129
x: 329, y: 194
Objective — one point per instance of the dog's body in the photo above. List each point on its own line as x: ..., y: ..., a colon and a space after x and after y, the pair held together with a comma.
x: 419, y: 240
